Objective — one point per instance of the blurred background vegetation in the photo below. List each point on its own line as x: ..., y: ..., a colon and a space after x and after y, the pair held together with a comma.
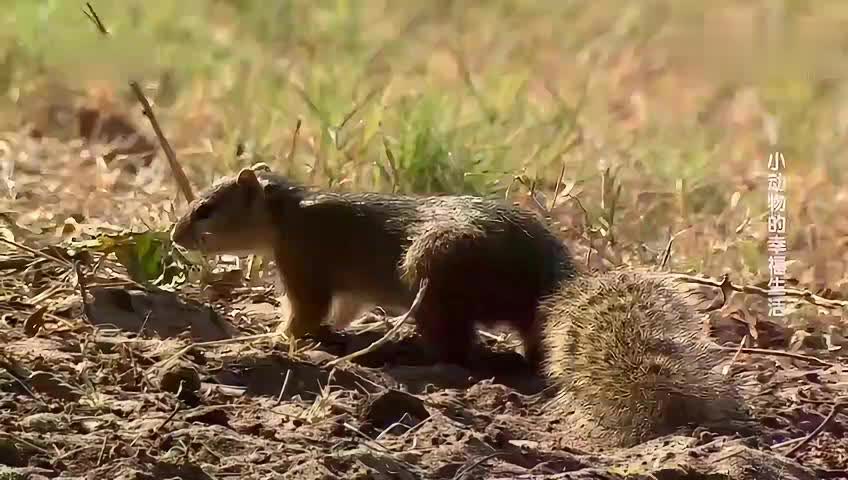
x: 657, y: 116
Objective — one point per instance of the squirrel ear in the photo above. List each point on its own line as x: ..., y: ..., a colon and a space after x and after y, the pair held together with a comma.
x: 260, y: 167
x: 247, y: 178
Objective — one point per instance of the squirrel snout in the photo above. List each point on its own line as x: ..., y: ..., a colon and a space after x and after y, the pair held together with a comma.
x: 183, y: 235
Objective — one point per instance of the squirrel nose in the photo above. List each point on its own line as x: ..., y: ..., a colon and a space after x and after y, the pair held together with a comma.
x: 181, y: 234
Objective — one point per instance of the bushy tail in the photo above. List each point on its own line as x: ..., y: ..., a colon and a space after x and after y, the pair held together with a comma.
x: 624, y: 349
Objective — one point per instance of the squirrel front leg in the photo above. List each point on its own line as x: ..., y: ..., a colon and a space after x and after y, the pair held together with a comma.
x: 309, y: 297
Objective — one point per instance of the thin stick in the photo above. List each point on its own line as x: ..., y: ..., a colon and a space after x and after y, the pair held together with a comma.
x: 778, y: 446
x: 170, y: 417
x: 92, y: 15
x: 726, y: 369
x: 392, y: 164
x: 806, y: 295
x: 182, y: 179
x: 26, y: 442
x: 86, y: 308
x: 293, y: 148
x: 283, y: 388
x: 35, y: 252
x: 102, y: 451
x: 399, y: 321
x: 777, y: 353
x: 226, y: 341
x: 558, y: 184
x: 462, y: 472
x: 815, y: 433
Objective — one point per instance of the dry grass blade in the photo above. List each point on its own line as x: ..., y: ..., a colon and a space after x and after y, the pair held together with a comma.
x: 398, y: 323
x: 390, y: 157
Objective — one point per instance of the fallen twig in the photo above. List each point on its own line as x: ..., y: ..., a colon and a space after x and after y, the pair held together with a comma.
x: 398, y: 321
x: 465, y: 470
x: 283, y: 388
x: 805, y: 295
x: 815, y: 433
x: 166, y: 363
x: 726, y: 370
x: 35, y: 252
x: 777, y: 353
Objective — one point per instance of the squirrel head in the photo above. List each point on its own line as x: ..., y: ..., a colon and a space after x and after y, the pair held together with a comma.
x: 231, y: 217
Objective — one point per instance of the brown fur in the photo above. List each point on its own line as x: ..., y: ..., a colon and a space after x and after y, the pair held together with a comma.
x: 486, y: 262
x: 624, y: 348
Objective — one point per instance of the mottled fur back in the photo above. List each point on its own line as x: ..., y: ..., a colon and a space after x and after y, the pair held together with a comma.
x: 625, y: 349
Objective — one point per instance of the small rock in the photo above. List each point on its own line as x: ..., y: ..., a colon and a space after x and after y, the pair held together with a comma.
x: 43, y: 423
x: 9, y: 454
x: 209, y: 416
x: 52, y: 386
x: 395, y: 406
x: 180, y: 379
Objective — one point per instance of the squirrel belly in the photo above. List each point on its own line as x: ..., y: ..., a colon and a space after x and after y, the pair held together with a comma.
x: 625, y: 352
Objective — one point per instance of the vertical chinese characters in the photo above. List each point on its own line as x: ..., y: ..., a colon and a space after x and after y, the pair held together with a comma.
x: 776, y: 243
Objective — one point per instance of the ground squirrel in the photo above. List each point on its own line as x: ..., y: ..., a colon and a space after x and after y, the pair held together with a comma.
x: 486, y: 262
x: 624, y: 348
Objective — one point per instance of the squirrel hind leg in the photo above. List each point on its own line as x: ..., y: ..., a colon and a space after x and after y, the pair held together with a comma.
x: 309, y: 308
x: 346, y: 308
x: 447, y: 331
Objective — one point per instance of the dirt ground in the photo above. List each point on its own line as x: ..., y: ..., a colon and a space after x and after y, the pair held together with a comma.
x: 194, y: 385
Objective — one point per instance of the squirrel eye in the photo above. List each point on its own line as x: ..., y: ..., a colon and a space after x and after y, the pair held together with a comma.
x: 203, y: 212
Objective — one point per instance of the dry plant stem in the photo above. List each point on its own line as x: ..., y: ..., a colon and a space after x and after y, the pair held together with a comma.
x: 176, y: 168
x: 179, y: 174
x: 170, y: 417
x: 815, y: 433
x: 399, y: 321
x: 283, y: 388
x: 778, y: 446
x: 558, y: 185
x: 667, y: 251
x: 469, y: 468
x: 729, y: 366
x: 249, y: 338
x: 806, y: 295
x: 26, y: 442
x: 36, y: 252
x: 102, y: 450
x: 86, y: 308
x: 777, y: 353
x: 390, y: 157
x: 293, y: 148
